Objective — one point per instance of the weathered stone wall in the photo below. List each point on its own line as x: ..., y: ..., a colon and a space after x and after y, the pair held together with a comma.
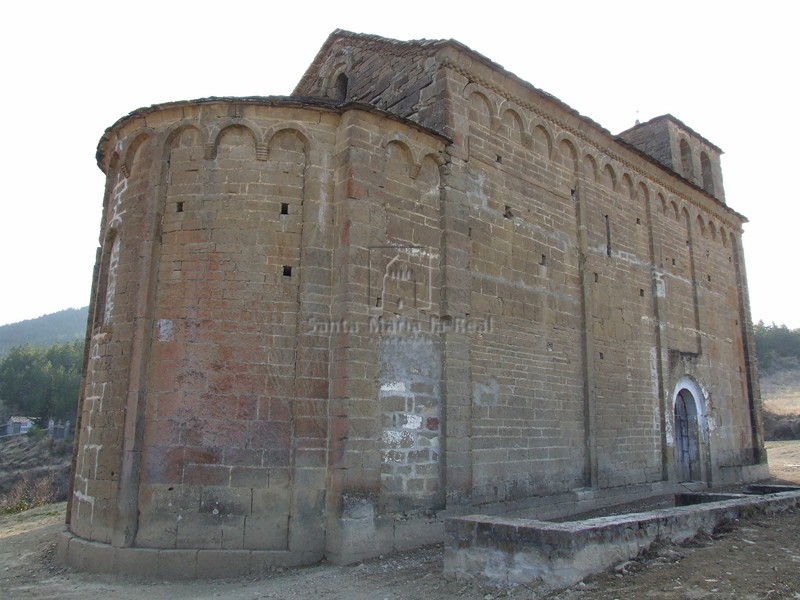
x: 386, y: 393
x: 527, y: 369
x: 258, y: 216
x: 236, y: 390
x: 114, y: 342
x: 622, y: 286
x: 318, y: 327
x: 611, y: 264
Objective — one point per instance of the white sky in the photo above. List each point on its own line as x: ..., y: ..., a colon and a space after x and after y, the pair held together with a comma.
x: 71, y: 69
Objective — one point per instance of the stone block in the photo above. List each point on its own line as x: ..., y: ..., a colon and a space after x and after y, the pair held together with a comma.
x: 266, y: 532
x: 138, y: 562
x: 178, y: 564
x: 213, y: 564
x: 204, y: 475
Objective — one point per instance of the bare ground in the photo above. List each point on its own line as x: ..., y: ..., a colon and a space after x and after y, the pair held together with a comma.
x: 757, y: 558
x: 781, y: 391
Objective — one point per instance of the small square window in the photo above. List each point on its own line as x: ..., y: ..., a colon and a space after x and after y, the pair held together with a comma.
x: 287, y: 271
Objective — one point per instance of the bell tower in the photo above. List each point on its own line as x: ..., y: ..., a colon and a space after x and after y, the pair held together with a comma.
x: 681, y: 149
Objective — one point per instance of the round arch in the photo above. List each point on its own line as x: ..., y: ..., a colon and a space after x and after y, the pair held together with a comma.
x: 690, y: 435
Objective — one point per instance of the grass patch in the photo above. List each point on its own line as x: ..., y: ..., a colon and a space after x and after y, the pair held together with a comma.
x: 29, y: 493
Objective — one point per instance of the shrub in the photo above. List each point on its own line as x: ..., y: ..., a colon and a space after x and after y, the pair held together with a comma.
x: 781, y: 427
x: 29, y: 493
x: 35, y: 432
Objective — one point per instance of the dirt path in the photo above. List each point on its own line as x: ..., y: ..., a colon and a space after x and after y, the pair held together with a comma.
x: 757, y: 558
x: 784, y: 460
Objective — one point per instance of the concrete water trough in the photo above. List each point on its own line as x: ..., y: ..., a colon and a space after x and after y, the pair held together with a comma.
x: 508, y: 551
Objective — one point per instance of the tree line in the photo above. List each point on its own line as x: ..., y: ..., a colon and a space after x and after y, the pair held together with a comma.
x: 777, y: 346
x: 42, y: 382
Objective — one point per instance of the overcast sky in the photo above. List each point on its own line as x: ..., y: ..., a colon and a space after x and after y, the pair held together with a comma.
x: 72, y: 69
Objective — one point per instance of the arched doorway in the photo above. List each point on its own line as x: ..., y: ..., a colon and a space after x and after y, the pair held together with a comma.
x: 687, y: 437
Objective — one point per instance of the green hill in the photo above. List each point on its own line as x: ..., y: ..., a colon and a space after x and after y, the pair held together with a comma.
x: 57, y: 328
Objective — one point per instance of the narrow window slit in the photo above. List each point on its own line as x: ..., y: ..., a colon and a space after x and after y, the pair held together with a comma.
x: 179, y: 207
x: 284, y: 208
x: 341, y: 87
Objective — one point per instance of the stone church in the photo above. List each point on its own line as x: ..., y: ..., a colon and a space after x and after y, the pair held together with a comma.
x: 419, y: 287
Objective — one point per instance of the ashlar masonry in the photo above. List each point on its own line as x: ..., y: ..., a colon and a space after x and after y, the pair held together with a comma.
x: 418, y: 287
